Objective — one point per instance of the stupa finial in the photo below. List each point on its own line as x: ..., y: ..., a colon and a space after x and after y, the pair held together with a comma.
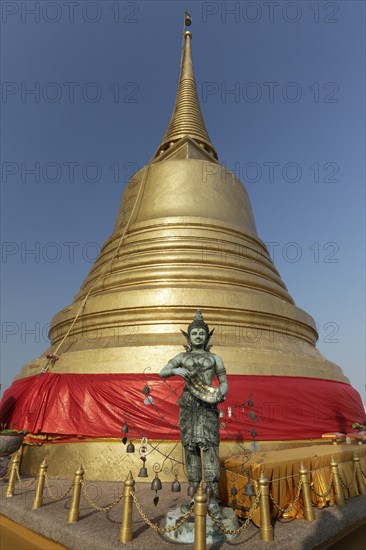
x: 187, y: 119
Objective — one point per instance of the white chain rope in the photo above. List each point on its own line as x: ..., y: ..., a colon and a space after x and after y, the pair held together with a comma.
x: 49, y: 490
x: 104, y: 271
x: 160, y: 530
x: 92, y: 502
x: 244, y: 525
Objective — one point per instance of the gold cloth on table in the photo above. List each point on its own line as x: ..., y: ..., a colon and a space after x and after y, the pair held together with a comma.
x: 281, y: 468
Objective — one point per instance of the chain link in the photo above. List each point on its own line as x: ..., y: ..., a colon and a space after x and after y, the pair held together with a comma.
x: 245, y: 524
x: 292, y: 506
x: 344, y: 483
x: 49, y: 490
x: 362, y: 472
x: 320, y: 495
x: 25, y: 485
x: 160, y: 530
x: 93, y: 504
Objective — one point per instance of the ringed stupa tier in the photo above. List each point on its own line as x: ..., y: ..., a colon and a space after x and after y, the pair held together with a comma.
x: 184, y: 239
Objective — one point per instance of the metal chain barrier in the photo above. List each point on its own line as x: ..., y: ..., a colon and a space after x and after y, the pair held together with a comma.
x: 245, y: 524
x: 292, y: 506
x: 320, y: 495
x: 92, y: 502
x: 49, y: 490
x: 22, y: 483
x: 160, y: 530
x: 344, y: 483
x: 362, y: 472
x: 6, y: 467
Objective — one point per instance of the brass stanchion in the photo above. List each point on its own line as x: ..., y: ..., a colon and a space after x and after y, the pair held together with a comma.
x: 13, y: 474
x: 74, y: 511
x: 338, y: 491
x: 126, y: 534
x: 200, y: 513
x: 38, y: 499
x: 266, y: 529
x: 359, y: 476
x: 305, y: 487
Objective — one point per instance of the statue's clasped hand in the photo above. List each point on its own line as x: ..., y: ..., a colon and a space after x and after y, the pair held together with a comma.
x: 184, y: 373
x: 221, y: 397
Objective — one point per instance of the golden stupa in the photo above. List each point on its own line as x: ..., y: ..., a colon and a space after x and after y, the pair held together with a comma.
x: 184, y: 239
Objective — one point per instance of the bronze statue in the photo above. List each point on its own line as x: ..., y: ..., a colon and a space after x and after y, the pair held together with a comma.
x: 198, y: 415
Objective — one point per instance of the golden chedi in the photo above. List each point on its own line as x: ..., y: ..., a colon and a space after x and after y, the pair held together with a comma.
x: 184, y: 239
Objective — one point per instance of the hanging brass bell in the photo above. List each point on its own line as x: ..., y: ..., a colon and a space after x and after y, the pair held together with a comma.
x: 191, y: 489
x: 124, y: 428
x: 209, y: 490
x: 156, y: 484
x: 176, y: 486
x: 143, y: 472
x: 130, y: 448
x: 249, y: 489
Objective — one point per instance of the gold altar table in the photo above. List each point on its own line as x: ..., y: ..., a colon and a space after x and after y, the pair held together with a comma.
x: 281, y: 468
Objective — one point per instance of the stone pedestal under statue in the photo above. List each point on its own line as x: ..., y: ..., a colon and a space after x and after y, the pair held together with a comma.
x: 185, y: 533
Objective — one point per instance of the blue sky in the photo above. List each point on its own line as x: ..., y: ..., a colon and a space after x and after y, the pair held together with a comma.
x: 282, y: 89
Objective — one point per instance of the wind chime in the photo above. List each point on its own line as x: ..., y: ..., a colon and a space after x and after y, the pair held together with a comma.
x: 229, y: 414
x: 248, y: 488
x: 156, y: 484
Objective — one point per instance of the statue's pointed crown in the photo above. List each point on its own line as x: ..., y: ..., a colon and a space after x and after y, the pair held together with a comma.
x: 198, y: 322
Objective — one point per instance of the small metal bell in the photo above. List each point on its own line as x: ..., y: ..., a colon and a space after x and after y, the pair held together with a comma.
x: 156, y: 484
x: 176, y: 486
x: 124, y: 428
x: 143, y: 472
x: 249, y: 489
x: 146, y: 390
x: 234, y: 491
x: 209, y: 490
x: 130, y: 448
x: 191, y: 489
x: 187, y: 19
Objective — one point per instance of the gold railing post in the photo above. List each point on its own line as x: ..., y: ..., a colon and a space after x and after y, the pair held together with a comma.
x: 359, y: 476
x: 200, y: 513
x: 266, y: 529
x: 38, y: 499
x: 338, y: 491
x: 126, y: 534
x: 74, y: 511
x: 305, y: 487
x: 13, y: 474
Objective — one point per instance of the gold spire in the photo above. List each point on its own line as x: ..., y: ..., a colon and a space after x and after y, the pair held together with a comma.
x: 187, y: 119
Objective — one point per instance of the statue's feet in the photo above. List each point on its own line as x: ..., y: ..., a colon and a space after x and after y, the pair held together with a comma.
x: 187, y: 507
